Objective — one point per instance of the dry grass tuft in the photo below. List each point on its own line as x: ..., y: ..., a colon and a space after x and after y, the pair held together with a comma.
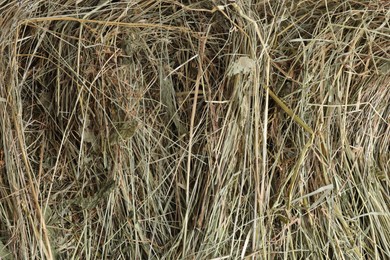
x: 194, y: 129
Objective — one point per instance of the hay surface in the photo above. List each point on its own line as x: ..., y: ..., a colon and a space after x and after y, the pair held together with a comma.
x: 194, y: 129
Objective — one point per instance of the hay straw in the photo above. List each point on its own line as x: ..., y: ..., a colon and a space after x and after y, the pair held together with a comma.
x: 194, y: 129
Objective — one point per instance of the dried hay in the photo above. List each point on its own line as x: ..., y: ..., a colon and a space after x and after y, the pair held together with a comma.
x: 186, y: 129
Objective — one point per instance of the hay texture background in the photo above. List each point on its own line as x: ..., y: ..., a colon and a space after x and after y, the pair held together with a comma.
x: 194, y: 129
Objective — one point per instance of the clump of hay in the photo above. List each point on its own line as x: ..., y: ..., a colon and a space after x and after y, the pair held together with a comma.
x: 186, y: 129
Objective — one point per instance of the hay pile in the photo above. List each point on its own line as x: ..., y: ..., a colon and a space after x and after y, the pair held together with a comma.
x: 194, y: 129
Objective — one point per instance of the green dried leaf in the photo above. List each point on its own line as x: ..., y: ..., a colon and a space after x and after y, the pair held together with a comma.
x: 123, y: 131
